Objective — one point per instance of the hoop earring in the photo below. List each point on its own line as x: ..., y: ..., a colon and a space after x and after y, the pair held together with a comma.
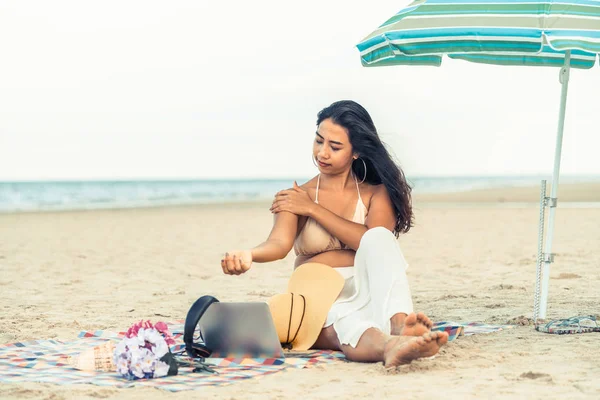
x: 365, y: 165
x: 314, y: 162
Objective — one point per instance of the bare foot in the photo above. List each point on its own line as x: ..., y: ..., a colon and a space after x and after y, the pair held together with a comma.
x: 413, y: 325
x: 402, y: 350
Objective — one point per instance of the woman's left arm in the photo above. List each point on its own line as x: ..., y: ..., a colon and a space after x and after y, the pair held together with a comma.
x: 347, y: 232
x: 381, y: 213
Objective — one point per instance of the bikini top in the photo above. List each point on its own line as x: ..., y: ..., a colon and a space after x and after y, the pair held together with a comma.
x: 314, y: 239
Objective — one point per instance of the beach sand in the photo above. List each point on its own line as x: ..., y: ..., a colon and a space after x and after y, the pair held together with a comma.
x: 471, y: 255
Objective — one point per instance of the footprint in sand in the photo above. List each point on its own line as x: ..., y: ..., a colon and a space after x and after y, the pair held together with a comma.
x: 263, y: 293
x: 566, y: 276
x: 520, y: 320
x: 456, y: 296
x: 102, y: 393
x: 536, y: 375
x: 505, y: 286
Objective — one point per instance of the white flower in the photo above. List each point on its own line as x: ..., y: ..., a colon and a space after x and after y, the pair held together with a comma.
x: 146, y: 353
x: 160, y: 349
x: 135, y: 357
x: 120, y: 352
x: 121, y: 347
x: 153, y: 336
x: 135, y: 353
x: 117, y: 357
x: 123, y: 366
x: 132, y: 343
x: 148, y: 362
x: 161, y: 369
x: 136, y: 368
x: 141, y: 337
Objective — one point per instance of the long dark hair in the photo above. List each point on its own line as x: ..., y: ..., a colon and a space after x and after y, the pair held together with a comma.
x: 380, y: 166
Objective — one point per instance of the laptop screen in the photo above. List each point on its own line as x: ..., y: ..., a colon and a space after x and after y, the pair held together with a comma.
x: 240, y: 330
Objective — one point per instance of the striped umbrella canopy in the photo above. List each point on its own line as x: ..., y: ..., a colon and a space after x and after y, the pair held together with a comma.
x: 505, y: 32
x: 563, y: 33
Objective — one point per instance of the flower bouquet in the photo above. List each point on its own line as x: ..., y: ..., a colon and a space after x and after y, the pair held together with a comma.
x: 144, y: 352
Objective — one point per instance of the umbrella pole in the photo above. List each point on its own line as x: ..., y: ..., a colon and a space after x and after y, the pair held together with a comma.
x: 540, y: 255
x: 548, y: 257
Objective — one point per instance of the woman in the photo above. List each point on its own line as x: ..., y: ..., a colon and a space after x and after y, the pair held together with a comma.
x: 349, y: 217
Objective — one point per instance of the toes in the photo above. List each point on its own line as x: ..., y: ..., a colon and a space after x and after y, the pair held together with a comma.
x: 421, y: 340
x: 442, y: 337
x: 410, y: 320
x: 421, y: 317
x: 428, y: 323
x: 436, y: 335
x: 429, y: 336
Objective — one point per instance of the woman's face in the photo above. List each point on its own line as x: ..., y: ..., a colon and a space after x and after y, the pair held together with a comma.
x: 332, y: 149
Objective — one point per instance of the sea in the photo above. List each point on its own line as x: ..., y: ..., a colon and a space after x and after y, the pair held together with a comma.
x: 90, y: 195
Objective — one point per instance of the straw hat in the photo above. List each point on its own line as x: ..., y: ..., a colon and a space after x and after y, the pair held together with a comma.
x: 300, y: 313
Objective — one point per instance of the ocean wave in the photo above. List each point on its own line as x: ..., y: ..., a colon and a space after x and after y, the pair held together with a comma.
x: 83, y: 195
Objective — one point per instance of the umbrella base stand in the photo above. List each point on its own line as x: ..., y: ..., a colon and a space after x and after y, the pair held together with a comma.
x: 543, y: 259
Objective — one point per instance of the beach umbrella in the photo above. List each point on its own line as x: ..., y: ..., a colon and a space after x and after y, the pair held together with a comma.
x: 564, y: 34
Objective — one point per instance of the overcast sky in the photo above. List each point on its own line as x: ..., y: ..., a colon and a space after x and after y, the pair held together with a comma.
x: 199, y: 89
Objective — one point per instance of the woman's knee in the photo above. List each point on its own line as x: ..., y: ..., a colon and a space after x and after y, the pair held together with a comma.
x: 377, y: 235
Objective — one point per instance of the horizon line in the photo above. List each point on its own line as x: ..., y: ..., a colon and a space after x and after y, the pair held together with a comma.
x: 258, y: 178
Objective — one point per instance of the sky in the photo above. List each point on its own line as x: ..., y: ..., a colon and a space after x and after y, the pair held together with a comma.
x: 198, y: 89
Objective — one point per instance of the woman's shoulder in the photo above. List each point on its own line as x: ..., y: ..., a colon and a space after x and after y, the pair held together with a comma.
x: 371, y: 189
x: 310, y: 184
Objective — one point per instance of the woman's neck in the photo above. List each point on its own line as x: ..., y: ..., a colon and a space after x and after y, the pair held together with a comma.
x: 337, y: 182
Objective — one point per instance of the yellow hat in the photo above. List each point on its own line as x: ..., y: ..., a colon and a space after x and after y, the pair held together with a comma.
x: 300, y: 313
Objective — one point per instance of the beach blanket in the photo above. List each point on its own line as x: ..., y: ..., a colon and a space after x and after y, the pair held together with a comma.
x: 455, y: 329
x: 47, y: 361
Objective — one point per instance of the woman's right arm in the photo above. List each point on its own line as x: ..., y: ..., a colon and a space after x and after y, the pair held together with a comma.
x: 277, y: 246
x: 280, y: 240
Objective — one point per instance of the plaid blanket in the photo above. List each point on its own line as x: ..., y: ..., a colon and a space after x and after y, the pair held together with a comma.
x: 46, y: 361
x: 455, y: 329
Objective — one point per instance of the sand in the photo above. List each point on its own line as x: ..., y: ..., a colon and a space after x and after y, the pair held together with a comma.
x: 472, y: 258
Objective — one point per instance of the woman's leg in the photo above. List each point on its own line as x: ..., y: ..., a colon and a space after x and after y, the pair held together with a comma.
x: 375, y: 346
x: 385, y: 268
x: 381, y: 301
x: 327, y: 340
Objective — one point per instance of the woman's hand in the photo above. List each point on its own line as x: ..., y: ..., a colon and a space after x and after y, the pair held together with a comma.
x: 295, y: 200
x: 236, y: 262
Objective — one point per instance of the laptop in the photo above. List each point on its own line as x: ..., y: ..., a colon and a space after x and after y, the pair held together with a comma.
x: 240, y: 330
